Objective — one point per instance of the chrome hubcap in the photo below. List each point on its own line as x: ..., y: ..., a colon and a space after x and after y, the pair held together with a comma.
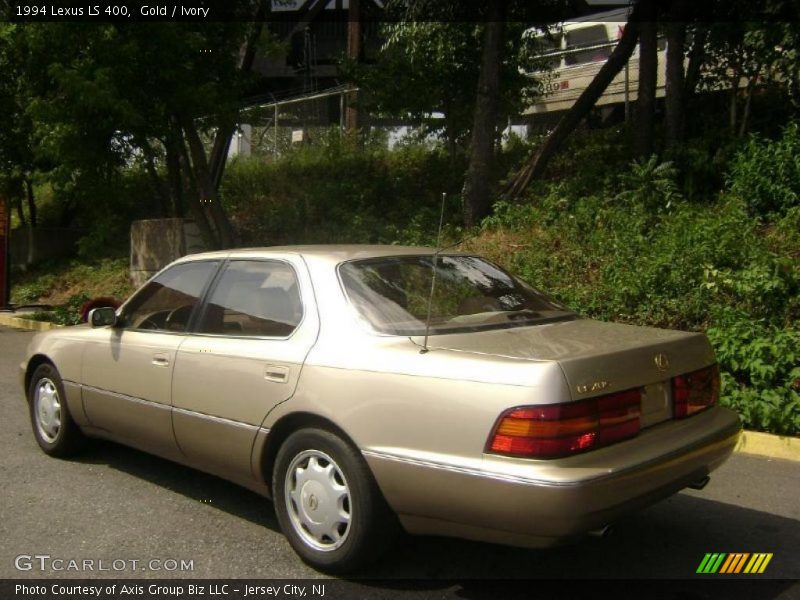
x: 318, y: 500
x: 47, y: 409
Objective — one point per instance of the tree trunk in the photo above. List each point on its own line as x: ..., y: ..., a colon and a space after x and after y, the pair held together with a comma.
x: 648, y: 73
x: 477, y: 189
x: 675, y: 91
x: 191, y: 194
x: 160, y: 189
x: 450, y: 132
x: 32, y: 212
x: 222, y: 140
x: 696, y: 57
x: 174, y: 177
x: 734, y: 110
x: 535, y: 166
x: 20, y: 212
x: 748, y: 97
x: 354, y: 53
x: 205, y: 187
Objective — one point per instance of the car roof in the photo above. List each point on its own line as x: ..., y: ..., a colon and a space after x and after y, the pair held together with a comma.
x: 332, y: 252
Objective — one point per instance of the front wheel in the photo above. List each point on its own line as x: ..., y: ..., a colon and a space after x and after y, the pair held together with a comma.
x: 328, y: 504
x: 53, y: 427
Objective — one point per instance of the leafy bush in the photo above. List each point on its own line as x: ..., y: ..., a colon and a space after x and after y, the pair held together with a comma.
x: 66, y: 314
x: 766, y: 173
x: 651, y: 184
x: 761, y: 370
x: 31, y: 292
x: 335, y: 191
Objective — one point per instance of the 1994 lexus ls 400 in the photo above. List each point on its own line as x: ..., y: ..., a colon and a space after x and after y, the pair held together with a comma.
x: 305, y: 374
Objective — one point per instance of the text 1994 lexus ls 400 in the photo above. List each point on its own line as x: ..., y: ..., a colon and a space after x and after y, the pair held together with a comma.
x: 305, y: 374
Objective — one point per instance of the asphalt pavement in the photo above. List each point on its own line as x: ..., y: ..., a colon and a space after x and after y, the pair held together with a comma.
x: 118, y: 504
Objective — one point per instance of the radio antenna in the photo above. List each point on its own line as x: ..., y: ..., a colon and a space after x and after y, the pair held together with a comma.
x: 433, y: 277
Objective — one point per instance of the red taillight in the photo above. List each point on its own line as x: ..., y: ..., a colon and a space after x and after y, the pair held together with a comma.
x: 696, y: 391
x: 557, y: 430
x: 619, y: 416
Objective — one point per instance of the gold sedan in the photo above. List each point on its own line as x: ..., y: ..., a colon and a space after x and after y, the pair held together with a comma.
x: 373, y: 389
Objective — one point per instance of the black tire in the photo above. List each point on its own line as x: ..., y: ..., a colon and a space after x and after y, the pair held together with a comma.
x: 64, y: 440
x: 372, y: 526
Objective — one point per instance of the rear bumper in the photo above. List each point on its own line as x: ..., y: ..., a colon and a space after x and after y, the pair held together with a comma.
x: 539, y: 503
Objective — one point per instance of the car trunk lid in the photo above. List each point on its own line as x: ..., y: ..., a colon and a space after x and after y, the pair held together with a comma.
x: 597, y: 358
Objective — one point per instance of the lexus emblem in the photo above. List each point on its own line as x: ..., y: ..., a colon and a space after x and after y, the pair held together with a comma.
x: 662, y: 362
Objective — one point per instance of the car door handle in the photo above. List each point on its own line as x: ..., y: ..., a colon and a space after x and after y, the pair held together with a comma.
x: 276, y: 373
x: 160, y: 360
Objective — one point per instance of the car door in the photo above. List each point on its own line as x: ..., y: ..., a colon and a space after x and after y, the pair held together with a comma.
x: 244, y: 357
x: 127, y: 369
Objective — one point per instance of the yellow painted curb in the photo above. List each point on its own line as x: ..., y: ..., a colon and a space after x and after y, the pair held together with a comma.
x: 766, y: 444
x: 9, y: 320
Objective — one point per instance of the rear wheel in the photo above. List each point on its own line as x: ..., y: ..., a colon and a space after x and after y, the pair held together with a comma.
x: 328, y: 504
x: 53, y: 427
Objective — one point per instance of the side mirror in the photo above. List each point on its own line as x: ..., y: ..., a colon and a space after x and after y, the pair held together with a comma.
x: 102, y: 317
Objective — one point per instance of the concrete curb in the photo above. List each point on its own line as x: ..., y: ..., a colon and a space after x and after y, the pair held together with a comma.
x: 751, y: 442
x: 9, y: 320
x: 769, y: 445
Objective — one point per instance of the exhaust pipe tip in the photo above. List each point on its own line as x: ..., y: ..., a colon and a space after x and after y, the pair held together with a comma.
x: 602, y: 532
x: 700, y: 483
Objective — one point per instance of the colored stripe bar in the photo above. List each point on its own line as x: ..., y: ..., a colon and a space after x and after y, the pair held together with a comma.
x: 741, y: 562
x: 703, y: 563
x: 753, y: 564
x: 765, y: 563
x: 716, y: 565
x: 728, y: 563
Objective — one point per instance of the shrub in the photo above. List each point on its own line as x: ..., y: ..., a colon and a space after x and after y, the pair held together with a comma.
x: 761, y: 370
x: 651, y: 184
x: 335, y: 191
x: 766, y: 173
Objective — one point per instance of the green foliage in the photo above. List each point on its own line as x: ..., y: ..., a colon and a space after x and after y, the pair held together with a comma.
x: 763, y: 51
x: 766, y: 173
x: 70, y: 313
x: 33, y: 291
x: 761, y: 370
x: 651, y: 184
x: 105, y: 209
x: 334, y: 191
x: 66, y: 314
x: 55, y: 282
x: 84, y: 102
x: 427, y: 66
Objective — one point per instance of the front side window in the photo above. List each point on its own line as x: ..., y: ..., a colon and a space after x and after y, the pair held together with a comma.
x: 470, y: 294
x: 167, y: 302
x: 254, y: 298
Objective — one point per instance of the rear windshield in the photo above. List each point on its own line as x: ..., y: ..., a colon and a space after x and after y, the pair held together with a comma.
x: 470, y: 294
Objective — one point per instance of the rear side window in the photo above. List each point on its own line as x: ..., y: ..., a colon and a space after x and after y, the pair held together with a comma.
x: 254, y: 298
x: 167, y: 302
x: 393, y: 294
x: 587, y: 37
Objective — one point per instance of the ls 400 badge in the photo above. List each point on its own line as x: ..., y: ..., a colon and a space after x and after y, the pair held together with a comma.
x: 595, y: 386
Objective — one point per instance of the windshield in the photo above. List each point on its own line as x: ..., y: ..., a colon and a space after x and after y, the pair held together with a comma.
x: 471, y: 294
